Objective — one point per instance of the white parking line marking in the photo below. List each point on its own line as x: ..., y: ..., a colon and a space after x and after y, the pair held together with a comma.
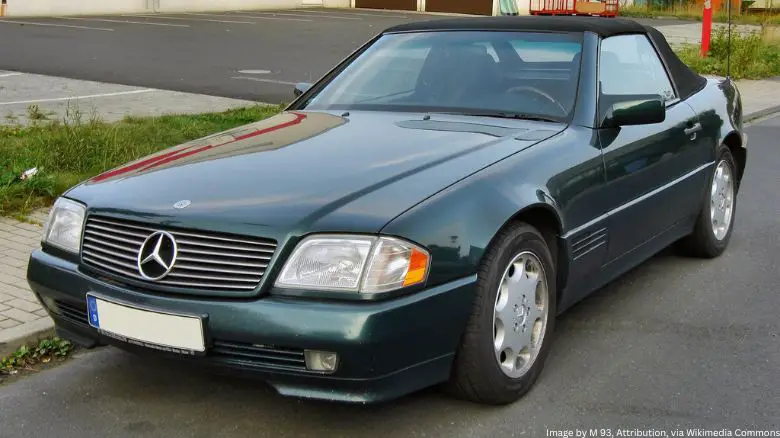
x: 356, y: 13
x: 339, y: 17
x: 252, y: 16
x: 159, y: 17
x: 254, y: 72
x: 59, y: 99
x: 124, y: 21
x: 28, y: 23
x: 6, y: 75
x: 272, y: 81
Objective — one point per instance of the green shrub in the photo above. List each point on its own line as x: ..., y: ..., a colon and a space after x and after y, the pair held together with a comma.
x: 28, y: 355
x: 694, y: 11
x: 753, y: 56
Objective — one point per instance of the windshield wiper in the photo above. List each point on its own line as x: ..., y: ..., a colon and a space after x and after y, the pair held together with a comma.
x: 505, y: 115
x: 511, y: 115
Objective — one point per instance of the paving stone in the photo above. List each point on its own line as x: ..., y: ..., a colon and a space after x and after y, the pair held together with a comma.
x: 8, y: 279
x: 23, y: 240
x: 22, y: 256
x: 6, y: 227
x: 13, y: 262
x: 14, y: 245
x: 16, y: 292
x: 27, y: 306
x: 10, y: 274
x: 22, y: 284
x: 28, y: 229
x: 8, y: 323
x: 26, y: 232
x: 14, y: 257
x: 19, y: 315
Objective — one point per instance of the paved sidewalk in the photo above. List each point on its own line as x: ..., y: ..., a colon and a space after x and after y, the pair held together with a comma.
x: 22, y: 318
x: 760, y: 98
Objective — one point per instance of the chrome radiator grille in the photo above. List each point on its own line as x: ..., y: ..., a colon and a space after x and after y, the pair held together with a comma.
x: 204, y: 261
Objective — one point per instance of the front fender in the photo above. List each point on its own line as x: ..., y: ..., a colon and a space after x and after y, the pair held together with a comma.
x: 560, y: 178
x: 458, y: 224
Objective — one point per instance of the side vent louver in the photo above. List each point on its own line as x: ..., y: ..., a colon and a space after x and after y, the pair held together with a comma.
x: 587, y: 242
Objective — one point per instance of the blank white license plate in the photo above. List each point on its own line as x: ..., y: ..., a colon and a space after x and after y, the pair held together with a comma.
x: 158, y: 330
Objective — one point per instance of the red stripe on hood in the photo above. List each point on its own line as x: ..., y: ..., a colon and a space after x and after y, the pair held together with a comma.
x: 298, y: 119
x: 178, y: 154
x: 137, y: 165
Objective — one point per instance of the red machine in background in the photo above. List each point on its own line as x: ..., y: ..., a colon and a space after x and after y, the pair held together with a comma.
x: 604, y: 8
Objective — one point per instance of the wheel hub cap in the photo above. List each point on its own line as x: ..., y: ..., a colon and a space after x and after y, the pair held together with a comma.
x: 722, y: 200
x: 520, y: 314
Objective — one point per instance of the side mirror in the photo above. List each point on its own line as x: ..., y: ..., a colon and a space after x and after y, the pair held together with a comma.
x: 301, y: 88
x: 626, y: 110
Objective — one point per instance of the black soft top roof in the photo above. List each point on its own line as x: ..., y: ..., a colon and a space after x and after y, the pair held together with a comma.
x: 601, y: 26
x: 686, y: 80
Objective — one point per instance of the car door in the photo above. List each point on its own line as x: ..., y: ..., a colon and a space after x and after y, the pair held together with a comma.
x: 648, y: 167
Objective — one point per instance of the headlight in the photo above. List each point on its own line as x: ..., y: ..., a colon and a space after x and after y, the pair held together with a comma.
x: 63, y: 229
x: 360, y: 264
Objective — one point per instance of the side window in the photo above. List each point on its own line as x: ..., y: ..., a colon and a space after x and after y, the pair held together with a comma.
x: 549, y: 51
x: 630, y: 65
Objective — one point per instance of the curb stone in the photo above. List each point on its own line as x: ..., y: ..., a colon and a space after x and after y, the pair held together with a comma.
x: 13, y: 338
x: 761, y: 113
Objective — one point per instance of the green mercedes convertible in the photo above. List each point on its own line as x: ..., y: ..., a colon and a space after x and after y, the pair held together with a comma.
x: 418, y: 216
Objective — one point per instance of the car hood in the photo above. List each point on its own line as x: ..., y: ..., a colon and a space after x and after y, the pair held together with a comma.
x: 308, y: 171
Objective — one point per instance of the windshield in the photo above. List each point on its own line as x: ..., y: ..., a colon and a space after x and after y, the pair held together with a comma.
x: 466, y: 72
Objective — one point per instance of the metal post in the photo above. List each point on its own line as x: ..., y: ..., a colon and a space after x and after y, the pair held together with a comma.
x: 706, y: 28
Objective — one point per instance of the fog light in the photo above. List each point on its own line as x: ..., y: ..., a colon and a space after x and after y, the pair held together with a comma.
x: 324, y: 361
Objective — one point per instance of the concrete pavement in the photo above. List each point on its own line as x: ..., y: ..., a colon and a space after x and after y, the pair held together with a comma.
x: 676, y: 343
x: 62, y: 98
x: 760, y: 97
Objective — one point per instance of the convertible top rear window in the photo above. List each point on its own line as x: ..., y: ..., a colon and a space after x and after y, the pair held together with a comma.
x: 531, y: 73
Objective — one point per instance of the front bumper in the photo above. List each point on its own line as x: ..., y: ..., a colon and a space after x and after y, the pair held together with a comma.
x: 386, y: 349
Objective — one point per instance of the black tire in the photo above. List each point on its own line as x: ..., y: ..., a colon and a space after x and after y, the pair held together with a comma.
x: 702, y: 242
x: 476, y: 375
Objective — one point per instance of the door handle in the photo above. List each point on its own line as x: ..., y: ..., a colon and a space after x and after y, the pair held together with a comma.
x: 696, y: 127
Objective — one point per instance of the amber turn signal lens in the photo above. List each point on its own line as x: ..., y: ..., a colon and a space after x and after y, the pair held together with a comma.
x: 418, y: 268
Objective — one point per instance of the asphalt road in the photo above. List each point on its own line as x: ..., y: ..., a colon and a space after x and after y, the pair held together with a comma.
x: 198, y: 53
x: 675, y: 343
